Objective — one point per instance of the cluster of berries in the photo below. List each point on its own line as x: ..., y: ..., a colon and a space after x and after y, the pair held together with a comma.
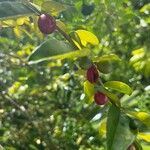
x: 47, y: 25
x: 92, y: 76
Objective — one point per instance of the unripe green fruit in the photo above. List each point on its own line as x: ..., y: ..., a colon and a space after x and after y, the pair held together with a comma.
x: 46, y: 23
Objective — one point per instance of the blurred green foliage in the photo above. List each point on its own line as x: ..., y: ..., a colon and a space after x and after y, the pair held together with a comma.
x: 43, y: 105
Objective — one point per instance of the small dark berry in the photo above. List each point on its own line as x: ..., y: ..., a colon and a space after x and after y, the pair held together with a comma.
x: 46, y: 24
x: 100, y: 98
x: 92, y: 74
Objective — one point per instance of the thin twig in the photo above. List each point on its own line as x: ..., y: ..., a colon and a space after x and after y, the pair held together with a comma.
x: 67, y: 37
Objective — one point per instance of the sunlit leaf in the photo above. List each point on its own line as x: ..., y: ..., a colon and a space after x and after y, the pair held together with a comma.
x: 118, y: 86
x: 144, y: 136
x: 13, y: 89
x: 142, y: 116
x: 102, y: 128
x: 89, y: 90
x: 137, y: 55
x: 145, y: 8
x: 8, y: 23
x: 104, y: 58
x: 17, y: 31
x: 145, y: 147
x: 140, y: 61
x: 87, y: 37
x: 22, y: 20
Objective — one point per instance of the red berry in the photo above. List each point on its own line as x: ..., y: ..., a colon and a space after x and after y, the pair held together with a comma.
x: 46, y: 24
x: 100, y: 98
x: 92, y: 74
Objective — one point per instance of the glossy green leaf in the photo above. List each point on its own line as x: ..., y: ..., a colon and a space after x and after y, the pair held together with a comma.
x: 9, y: 9
x: 51, y: 47
x: 119, y: 135
x: 67, y: 55
x: 118, y: 86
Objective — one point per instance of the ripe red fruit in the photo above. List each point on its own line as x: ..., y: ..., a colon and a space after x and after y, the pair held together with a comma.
x: 46, y: 23
x: 100, y: 98
x: 92, y: 74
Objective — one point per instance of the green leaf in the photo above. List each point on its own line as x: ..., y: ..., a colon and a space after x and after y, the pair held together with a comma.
x: 106, y: 58
x: 118, y: 86
x: 67, y: 55
x: 119, y: 135
x: 51, y: 47
x: 102, y: 128
x: 145, y: 8
x: 146, y: 147
x: 89, y: 91
x: 54, y: 7
x: 141, y: 116
x: 9, y: 9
